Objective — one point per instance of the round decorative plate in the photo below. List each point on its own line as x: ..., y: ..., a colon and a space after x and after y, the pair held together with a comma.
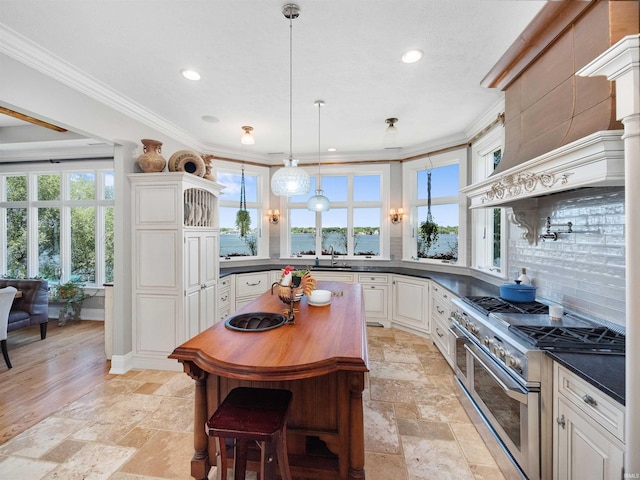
x: 187, y: 161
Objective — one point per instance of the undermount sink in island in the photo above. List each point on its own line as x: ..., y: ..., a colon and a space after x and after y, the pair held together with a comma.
x: 321, y: 357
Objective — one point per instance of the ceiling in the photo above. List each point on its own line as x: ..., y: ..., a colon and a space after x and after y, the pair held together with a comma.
x: 345, y: 52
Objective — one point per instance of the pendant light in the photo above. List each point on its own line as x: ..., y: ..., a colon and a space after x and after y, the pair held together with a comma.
x: 318, y: 203
x: 290, y: 180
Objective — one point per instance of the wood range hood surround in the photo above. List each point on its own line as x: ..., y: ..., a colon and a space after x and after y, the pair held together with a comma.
x: 560, y: 128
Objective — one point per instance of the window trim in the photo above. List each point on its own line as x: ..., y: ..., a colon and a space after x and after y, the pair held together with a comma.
x: 411, y: 221
x: 482, y: 167
x: 32, y: 204
x: 262, y: 184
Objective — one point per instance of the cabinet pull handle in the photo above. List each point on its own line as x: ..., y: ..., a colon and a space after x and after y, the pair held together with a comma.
x: 561, y: 421
x: 373, y: 286
x: 589, y: 400
x: 253, y: 284
x: 438, y: 332
x: 438, y: 310
x: 203, y: 286
x: 224, y: 299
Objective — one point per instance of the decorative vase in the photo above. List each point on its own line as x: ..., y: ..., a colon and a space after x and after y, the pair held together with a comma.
x: 151, y: 160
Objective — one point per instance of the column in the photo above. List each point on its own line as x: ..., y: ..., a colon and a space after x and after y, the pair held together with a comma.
x: 621, y: 63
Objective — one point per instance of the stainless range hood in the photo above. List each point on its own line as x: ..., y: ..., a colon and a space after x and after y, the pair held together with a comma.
x: 593, y: 161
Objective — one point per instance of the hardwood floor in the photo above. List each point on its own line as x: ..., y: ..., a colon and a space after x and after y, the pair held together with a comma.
x: 47, y: 374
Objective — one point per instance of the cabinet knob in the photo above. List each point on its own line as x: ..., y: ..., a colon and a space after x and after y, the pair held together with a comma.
x: 561, y: 421
x: 589, y: 400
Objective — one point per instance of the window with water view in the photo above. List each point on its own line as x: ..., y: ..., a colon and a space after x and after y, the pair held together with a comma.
x: 437, y: 213
x: 352, y: 227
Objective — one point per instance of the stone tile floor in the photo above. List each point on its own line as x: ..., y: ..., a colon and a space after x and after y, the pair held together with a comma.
x: 139, y: 425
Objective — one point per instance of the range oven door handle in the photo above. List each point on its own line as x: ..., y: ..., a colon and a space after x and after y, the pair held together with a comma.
x: 511, y: 387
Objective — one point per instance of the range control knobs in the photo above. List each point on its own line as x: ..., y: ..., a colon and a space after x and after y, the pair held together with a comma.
x: 473, y: 328
x: 514, y: 362
x: 486, y: 341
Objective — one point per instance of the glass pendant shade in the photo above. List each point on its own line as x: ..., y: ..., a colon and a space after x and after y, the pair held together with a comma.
x: 318, y: 203
x: 290, y: 180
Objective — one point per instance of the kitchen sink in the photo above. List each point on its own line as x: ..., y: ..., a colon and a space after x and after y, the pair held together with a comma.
x: 255, y: 321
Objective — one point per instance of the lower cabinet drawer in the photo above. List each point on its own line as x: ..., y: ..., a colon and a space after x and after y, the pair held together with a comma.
x: 604, y: 410
x: 224, y: 299
x: 252, y: 284
x: 223, y: 313
x: 372, y: 278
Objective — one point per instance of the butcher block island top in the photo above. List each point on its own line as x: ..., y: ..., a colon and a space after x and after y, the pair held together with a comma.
x: 322, y: 340
x: 321, y: 357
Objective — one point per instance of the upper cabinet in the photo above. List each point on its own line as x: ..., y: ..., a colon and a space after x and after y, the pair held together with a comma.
x: 174, y: 258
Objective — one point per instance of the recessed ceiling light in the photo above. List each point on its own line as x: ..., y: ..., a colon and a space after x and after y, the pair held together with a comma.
x: 332, y: 149
x: 412, y: 56
x: 190, y: 74
x: 210, y: 119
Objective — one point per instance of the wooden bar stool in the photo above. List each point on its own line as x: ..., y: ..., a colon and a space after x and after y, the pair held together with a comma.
x: 253, y: 414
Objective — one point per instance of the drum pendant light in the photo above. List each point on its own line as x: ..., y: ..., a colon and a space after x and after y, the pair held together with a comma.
x: 318, y: 203
x: 290, y: 180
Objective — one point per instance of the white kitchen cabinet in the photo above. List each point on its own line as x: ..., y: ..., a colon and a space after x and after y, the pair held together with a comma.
x: 375, y: 291
x: 175, y: 267
x: 249, y: 286
x: 344, y: 277
x: 588, y: 430
x: 225, y: 297
x: 201, y: 276
x: 410, y: 306
x: 440, y: 321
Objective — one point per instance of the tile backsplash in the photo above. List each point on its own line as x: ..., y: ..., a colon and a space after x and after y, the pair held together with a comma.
x: 584, y: 270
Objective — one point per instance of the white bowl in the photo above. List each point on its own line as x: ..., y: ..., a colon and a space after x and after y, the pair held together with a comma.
x: 320, y: 296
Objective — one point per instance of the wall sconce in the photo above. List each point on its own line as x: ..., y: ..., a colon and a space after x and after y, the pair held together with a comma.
x: 395, y: 215
x: 274, y: 216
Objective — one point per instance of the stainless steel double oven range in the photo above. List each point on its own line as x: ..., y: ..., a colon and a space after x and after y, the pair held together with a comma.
x: 500, y: 363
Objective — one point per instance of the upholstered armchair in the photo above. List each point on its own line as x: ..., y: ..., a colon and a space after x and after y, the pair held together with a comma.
x: 7, y: 295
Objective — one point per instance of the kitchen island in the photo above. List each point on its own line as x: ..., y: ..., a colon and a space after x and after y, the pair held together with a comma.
x: 321, y: 358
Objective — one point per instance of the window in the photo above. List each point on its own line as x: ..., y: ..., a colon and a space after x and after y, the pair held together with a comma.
x: 59, y: 224
x: 254, y: 243
x: 488, y: 230
x: 354, y: 226
x: 432, y: 193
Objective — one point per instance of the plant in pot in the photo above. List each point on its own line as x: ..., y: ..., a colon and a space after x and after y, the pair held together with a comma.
x: 428, y: 232
x: 243, y: 218
x: 71, y: 294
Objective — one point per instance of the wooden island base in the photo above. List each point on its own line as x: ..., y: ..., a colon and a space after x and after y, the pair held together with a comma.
x: 325, y: 430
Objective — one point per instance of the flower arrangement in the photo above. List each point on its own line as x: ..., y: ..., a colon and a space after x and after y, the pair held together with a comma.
x: 72, y: 294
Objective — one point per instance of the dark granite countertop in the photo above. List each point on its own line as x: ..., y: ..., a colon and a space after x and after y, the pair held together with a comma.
x: 460, y: 285
x: 603, y: 371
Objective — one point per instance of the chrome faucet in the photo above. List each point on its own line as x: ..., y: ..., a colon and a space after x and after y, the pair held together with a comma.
x: 334, y: 262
